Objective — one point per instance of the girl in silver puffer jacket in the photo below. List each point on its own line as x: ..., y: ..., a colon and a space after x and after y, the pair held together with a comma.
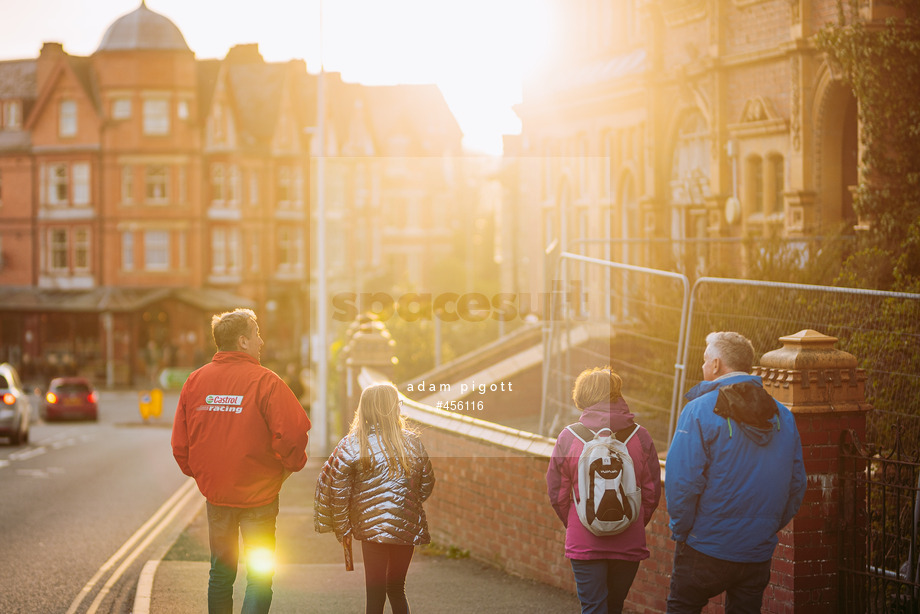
x: 372, y: 488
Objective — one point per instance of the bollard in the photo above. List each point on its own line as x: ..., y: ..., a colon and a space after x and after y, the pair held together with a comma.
x: 144, y: 403
x: 150, y: 403
x: 156, y: 402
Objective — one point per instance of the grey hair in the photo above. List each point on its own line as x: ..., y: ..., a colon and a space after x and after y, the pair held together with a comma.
x: 733, y: 349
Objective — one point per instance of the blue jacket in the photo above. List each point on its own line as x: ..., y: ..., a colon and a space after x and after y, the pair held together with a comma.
x: 734, y: 474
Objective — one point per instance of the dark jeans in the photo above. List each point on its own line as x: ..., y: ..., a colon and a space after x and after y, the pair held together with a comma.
x: 257, y: 526
x: 603, y: 584
x: 697, y: 577
x: 385, y: 568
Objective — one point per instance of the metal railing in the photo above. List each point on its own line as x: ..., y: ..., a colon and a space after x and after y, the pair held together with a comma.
x: 651, y: 326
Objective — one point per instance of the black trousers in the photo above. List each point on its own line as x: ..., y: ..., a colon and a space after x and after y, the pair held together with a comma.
x: 385, y: 568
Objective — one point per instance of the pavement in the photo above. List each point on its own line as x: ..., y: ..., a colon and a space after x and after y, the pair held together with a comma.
x: 310, y: 573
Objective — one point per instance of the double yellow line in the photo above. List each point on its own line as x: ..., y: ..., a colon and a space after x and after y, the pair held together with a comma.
x: 142, y: 538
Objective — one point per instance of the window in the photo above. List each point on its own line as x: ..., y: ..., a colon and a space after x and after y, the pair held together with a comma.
x: 58, y: 242
x: 127, y: 185
x: 12, y: 115
x: 81, y: 183
x: 156, y: 182
x: 754, y: 190
x: 67, y: 125
x: 235, y: 185
x: 218, y: 250
x: 289, y: 249
x: 298, y: 186
x: 183, y: 185
x: 81, y: 249
x: 63, y: 184
x: 217, y: 183
x: 225, y: 250
x: 284, y: 185
x: 182, y: 109
x: 127, y: 251
x: 156, y: 250
x: 777, y: 182
x: 56, y: 189
x: 183, y: 250
x: 121, y: 108
x: 254, y: 251
x: 253, y: 188
x: 156, y: 116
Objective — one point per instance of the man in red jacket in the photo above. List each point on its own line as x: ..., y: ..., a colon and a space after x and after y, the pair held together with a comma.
x: 239, y: 431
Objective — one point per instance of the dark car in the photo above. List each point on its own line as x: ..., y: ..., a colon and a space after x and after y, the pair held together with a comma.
x: 71, y: 397
x: 15, y: 406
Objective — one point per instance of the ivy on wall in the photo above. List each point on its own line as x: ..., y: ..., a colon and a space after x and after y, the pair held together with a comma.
x: 880, y: 61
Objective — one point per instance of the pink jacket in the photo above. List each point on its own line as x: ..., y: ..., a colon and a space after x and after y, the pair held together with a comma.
x: 580, y: 543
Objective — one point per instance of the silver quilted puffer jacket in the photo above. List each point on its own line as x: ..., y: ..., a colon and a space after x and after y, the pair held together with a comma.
x: 368, y: 503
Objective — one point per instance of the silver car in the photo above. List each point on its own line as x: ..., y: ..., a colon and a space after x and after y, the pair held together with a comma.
x: 15, y: 406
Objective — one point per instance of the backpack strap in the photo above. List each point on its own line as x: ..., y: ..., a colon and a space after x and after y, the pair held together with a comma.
x: 626, y: 434
x: 581, y: 431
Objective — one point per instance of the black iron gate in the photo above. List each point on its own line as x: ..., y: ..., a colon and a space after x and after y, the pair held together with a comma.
x: 880, y: 514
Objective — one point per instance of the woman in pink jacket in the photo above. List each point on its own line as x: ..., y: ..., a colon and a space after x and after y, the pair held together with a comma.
x: 604, y: 566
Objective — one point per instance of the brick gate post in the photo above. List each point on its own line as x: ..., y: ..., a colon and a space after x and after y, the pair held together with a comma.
x: 368, y: 344
x: 826, y: 392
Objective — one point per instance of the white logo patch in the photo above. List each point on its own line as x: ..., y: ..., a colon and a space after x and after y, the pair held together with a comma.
x: 223, y: 403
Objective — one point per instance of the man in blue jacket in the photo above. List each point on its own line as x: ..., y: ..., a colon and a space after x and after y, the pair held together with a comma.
x: 734, y: 477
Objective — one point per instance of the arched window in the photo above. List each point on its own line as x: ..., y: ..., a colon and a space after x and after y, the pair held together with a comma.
x: 753, y: 182
x: 690, y: 160
x: 775, y: 184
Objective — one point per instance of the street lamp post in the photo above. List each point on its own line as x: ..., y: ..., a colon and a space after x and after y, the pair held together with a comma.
x: 320, y: 351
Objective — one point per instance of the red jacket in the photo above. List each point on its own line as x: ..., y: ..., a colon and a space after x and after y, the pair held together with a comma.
x: 238, y: 428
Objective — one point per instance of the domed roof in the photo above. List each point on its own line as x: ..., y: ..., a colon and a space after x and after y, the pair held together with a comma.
x: 143, y: 29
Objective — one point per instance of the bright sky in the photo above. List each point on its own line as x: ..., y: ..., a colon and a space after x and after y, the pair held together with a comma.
x: 477, y: 51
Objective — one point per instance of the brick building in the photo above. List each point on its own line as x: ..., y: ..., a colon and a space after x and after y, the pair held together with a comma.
x: 143, y: 189
x: 666, y: 124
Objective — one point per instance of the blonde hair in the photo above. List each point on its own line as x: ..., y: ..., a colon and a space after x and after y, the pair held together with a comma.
x: 378, y: 411
x: 227, y: 327
x: 597, y: 385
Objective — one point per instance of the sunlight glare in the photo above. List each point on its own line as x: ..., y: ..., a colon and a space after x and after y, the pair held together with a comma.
x: 260, y: 561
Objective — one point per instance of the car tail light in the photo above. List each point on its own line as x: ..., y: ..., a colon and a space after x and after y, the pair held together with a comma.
x: 9, y: 398
x: 51, y: 398
x: 91, y: 397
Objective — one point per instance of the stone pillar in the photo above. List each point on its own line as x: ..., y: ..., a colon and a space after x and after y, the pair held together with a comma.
x: 370, y: 345
x: 825, y: 390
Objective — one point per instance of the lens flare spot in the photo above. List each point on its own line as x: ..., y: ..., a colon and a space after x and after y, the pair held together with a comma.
x: 260, y: 561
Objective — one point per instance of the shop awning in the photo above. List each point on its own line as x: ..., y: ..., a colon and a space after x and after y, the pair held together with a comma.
x: 117, y: 300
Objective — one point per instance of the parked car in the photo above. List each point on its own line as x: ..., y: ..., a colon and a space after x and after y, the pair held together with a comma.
x: 15, y: 406
x: 71, y: 397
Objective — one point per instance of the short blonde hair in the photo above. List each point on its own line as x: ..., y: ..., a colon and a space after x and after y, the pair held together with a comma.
x: 227, y: 327
x: 596, y: 385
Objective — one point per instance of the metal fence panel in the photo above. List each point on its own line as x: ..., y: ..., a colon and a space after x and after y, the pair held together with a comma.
x: 882, y: 329
x: 634, y: 324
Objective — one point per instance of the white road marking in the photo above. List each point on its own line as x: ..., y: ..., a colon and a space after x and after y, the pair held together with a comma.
x: 144, y: 592
x: 27, y: 454
x: 163, y: 516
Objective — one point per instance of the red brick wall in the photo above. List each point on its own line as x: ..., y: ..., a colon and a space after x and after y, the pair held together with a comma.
x: 492, y: 501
